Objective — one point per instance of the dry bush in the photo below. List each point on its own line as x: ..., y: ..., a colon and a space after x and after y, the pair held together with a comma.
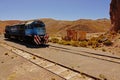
x: 66, y: 38
x: 54, y: 40
x: 12, y: 57
x: 53, y: 79
x: 34, y: 57
x: 75, y: 43
x: 113, y: 33
x: 83, y: 44
x: 94, y: 39
x: 6, y: 53
x: 104, y: 50
x: 101, y: 39
x: 94, y: 42
x: 64, y: 42
x: 108, y: 43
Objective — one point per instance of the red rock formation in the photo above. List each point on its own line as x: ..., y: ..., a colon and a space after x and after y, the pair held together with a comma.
x: 75, y: 35
x: 115, y: 15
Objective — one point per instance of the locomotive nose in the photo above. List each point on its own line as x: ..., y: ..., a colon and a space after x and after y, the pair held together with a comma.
x: 40, y: 39
x: 37, y: 39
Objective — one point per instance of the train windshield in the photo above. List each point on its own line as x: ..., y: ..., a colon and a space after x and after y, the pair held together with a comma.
x: 39, y: 24
x: 39, y: 29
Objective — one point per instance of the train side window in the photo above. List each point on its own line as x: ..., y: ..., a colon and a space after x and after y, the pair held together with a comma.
x: 21, y: 27
x: 25, y: 27
x: 32, y: 25
x: 28, y: 27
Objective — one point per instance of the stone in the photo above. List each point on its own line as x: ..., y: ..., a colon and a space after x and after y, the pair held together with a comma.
x: 115, y: 15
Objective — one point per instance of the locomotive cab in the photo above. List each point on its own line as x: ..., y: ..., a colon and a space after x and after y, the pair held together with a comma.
x: 37, y: 30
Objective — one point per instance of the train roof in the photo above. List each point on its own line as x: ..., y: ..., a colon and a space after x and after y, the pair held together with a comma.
x: 34, y: 22
x: 27, y: 23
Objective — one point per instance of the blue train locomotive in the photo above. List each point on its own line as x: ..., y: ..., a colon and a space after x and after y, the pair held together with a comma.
x: 33, y: 31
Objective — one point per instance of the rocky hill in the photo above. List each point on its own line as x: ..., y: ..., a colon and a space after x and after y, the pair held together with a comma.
x: 115, y: 15
x: 59, y: 27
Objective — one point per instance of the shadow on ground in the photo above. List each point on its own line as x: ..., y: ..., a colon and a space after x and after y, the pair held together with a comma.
x: 27, y: 44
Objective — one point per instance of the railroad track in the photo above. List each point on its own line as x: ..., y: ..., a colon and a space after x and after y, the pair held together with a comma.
x: 60, y: 70
x: 104, y: 57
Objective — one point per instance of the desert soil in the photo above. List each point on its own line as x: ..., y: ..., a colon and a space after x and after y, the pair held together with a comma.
x: 113, y: 49
x: 14, y: 67
x: 84, y: 64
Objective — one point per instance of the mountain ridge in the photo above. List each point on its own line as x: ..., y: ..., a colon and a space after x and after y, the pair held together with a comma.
x: 59, y: 27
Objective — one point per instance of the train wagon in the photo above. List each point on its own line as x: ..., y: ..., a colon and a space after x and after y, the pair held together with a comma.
x: 33, y: 31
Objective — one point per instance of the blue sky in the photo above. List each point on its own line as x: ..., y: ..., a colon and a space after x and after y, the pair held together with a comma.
x: 56, y: 9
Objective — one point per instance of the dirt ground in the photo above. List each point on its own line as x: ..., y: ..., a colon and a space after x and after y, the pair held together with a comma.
x: 18, y: 68
x: 14, y: 67
x: 114, y: 48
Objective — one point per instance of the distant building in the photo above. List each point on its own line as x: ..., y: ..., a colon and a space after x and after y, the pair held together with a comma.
x: 75, y: 35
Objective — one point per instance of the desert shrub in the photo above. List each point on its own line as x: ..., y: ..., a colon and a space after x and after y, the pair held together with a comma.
x: 107, y: 43
x: 60, y: 42
x: 94, y: 39
x: 66, y: 38
x: 101, y: 38
x: 2, y: 62
x: 49, y: 40
x: 6, y: 53
x: 90, y: 43
x: 34, y: 57
x: 54, y: 40
x: 103, y: 50
x: 83, y: 44
x: 113, y: 33
x: 64, y: 42
x: 12, y: 57
x: 102, y: 77
x: 94, y: 42
x: 53, y: 79
x: 75, y: 43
